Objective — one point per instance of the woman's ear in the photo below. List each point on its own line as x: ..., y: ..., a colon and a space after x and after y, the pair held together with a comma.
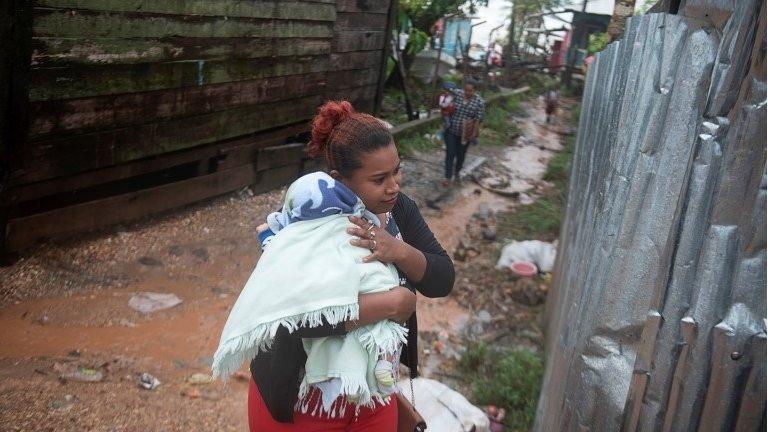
x: 335, y: 175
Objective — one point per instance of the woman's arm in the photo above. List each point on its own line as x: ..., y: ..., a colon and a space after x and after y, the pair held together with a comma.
x: 397, y: 304
x: 439, y: 274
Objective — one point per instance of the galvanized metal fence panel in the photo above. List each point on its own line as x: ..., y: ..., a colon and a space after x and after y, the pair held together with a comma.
x: 656, y: 315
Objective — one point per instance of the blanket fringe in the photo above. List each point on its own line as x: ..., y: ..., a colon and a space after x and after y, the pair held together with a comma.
x: 233, y: 352
x: 351, y: 389
x: 388, y: 343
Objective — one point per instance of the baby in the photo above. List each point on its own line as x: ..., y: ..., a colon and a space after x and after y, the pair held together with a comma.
x: 447, y: 105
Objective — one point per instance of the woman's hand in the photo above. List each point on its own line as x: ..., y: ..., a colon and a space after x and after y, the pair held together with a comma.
x: 383, y: 246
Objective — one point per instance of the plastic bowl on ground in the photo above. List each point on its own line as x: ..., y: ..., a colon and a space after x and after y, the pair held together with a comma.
x: 524, y: 269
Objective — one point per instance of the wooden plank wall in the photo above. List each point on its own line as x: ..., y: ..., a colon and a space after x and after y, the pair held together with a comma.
x: 132, y: 102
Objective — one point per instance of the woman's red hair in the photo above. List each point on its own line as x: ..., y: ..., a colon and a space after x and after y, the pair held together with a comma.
x: 341, y: 134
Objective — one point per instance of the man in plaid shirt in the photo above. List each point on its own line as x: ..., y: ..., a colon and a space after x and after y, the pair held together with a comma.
x: 464, y: 128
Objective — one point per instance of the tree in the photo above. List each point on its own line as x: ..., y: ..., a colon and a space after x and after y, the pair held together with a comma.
x: 521, y: 13
x: 622, y: 9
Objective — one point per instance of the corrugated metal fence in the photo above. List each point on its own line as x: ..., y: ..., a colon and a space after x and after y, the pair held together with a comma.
x: 656, y: 317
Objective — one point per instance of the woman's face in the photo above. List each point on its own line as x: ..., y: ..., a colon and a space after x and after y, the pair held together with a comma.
x: 377, y: 181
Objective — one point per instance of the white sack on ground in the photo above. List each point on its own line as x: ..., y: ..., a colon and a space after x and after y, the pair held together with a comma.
x: 538, y: 252
x: 443, y: 409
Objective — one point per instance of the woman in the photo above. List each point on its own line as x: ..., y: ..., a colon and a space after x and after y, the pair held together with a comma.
x: 360, y: 153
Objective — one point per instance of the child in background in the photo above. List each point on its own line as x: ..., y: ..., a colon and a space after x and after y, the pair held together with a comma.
x: 446, y: 103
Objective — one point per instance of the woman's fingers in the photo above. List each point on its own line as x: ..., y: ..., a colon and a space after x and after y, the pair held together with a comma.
x: 357, y: 231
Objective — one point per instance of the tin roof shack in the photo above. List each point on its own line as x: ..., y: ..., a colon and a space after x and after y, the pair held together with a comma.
x: 124, y: 108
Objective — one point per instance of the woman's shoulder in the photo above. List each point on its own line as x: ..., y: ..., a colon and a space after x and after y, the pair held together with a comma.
x: 405, y: 206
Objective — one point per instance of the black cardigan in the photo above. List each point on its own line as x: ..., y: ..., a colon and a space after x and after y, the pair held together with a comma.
x: 278, y: 372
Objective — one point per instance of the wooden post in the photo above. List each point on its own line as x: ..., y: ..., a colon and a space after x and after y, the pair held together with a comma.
x: 391, y: 17
x: 15, y: 57
x: 401, y: 70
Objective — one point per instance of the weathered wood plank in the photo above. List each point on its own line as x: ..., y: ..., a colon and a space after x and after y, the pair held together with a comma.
x: 59, y: 157
x: 229, y: 153
x: 228, y: 8
x: 114, y: 111
x: 60, y: 23
x: 352, y: 78
x: 355, y: 60
x: 362, y: 98
x: 101, y: 213
x: 65, y: 83
x: 346, y: 41
x: 370, y: 6
x: 360, y: 21
x: 50, y: 52
x: 15, y: 36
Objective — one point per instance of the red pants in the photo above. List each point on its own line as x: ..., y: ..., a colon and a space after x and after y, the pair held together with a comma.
x: 379, y: 419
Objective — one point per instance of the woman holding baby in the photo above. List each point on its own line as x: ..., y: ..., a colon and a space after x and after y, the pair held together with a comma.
x: 330, y: 309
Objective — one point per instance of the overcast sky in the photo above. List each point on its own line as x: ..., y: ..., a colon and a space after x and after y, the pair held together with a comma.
x: 497, y: 12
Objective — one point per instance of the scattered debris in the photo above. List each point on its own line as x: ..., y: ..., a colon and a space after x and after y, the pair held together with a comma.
x: 533, y: 251
x: 199, y: 379
x: 444, y: 409
x: 496, y: 417
x: 43, y: 320
x: 148, y: 382
x: 80, y: 374
x: 148, y: 302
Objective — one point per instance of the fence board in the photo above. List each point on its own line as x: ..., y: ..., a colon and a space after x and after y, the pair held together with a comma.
x: 228, y: 8
x: 59, y: 157
x: 60, y: 23
x: 346, y: 41
x: 113, y: 111
x: 360, y: 21
x: 355, y: 60
x: 100, y: 213
x: 370, y: 6
x: 230, y: 154
x: 65, y: 83
x: 57, y: 52
x: 352, y: 78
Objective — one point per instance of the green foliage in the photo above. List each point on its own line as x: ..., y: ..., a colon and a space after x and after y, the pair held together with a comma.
x: 598, y: 42
x: 423, y: 13
x: 417, y: 40
x: 540, y: 220
x: 513, y: 383
x: 559, y: 167
x: 644, y: 7
x: 415, y: 143
x: 474, y: 357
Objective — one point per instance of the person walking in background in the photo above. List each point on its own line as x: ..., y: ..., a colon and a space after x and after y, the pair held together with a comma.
x: 464, y: 127
x: 550, y: 103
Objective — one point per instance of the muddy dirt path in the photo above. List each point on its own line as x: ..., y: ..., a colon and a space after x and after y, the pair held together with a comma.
x: 524, y: 162
x: 76, y: 313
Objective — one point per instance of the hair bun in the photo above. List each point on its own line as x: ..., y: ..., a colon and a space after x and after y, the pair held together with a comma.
x: 329, y: 115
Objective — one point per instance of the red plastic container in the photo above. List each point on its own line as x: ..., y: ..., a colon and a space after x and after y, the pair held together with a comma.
x: 524, y: 269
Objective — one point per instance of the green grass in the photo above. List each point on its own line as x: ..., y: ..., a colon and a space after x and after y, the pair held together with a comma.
x: 513, y: 383
x: 409, y: 145
x: 540, y: 220
x: 510, y: 381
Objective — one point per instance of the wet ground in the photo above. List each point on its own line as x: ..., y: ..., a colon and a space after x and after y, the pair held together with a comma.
x: 64, y: 306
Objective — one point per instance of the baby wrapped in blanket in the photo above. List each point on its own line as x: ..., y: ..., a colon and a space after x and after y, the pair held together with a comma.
x: 307, y: 272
